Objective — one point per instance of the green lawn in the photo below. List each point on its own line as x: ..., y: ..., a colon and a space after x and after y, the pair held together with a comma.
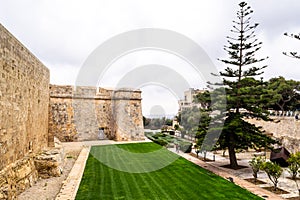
x: 132, y: 178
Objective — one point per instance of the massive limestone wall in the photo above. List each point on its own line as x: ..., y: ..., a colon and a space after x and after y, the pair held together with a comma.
x: 24, y: 99
x: 84, y: 113
x: 286, y: 129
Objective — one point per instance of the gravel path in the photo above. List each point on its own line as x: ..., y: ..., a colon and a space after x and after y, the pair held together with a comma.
x: 47, y: 189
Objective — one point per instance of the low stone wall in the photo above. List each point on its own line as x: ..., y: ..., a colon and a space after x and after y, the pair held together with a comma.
x: 286, y: 129
x: 291, y: 144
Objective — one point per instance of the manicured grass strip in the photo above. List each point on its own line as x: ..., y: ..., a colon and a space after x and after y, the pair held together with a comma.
x: 180, y: 179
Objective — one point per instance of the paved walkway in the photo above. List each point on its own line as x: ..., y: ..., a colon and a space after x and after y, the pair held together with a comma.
x: 71, y: 184
x: 285, y: 183
x: 242, y: 183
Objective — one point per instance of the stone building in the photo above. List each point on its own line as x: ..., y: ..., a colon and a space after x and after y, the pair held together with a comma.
x: 188, y: 101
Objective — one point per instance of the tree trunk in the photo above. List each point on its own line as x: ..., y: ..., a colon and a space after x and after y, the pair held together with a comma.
x: 255, y: 177
x: 232, y: 157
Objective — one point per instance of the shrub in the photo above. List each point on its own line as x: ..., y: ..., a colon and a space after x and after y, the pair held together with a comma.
x: 161, y: 142
x: 256, y: 164
x: 158, y: 135
x: 197, y: 149
x: 294, y: 164
x: 273, y: 171
x: 164, y: 139
x: 149, y: 135
x: 150, y: 138
x: 185, y: 147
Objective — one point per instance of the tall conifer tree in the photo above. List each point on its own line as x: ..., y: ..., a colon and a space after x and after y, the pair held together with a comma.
x: 243, y: 90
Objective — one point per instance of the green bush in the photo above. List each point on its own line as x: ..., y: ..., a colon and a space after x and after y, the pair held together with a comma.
x: 159, y: 135
x: 161, y: 142
x: 256, y: 164
x: 165, y: 139
x: 294, y: 165
x: 150, y: 137
x: 149, y: 134
x: 185, y: 147
x: 273, y: 171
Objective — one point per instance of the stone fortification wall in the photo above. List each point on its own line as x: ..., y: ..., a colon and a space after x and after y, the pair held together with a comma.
x: 29, y: 117
x: 84, y: 113
x: 24, y: 99
x: 16, y: 177
x: 286, y: 129
x: 127, y: 115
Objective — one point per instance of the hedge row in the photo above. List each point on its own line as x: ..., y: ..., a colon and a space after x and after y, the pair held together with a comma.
x: 165, y: 139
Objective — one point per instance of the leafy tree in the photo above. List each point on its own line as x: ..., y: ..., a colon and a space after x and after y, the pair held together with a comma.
x: 273, y: 171
x: 168, y: 122
x: 294, y: 167
x: 197, y: 149
x: 196, y: 119
x: 190, y: 120
x: 284, y: 92
x: 294, y: 164
x: 204, y: 100
x: 256, y: 164
x: 243, y: 90
x: 203, y: 126
x: 154, y: 123
x: 292, y: 54
x: 176, y: 127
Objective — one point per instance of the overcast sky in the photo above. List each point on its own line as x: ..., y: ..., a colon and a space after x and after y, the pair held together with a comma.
x: 63, y: 33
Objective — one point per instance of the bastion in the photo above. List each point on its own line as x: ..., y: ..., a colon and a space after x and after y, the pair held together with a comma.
x: 89, y: 113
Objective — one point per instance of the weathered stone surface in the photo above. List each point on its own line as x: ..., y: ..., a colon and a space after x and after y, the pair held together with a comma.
x: 20, y: 175
x: 47, y: 167
x: 127, y: 115
x: 24, y: 99
x: 16, y: 177
x: 286, y: 129
x: 49, y: 163
x: 78, y: 114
